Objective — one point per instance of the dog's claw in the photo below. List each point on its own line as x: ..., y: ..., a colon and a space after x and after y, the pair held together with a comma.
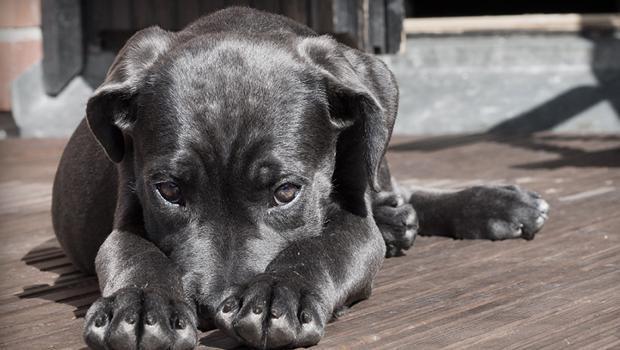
x: 113, y: 322
x: 284, y: 325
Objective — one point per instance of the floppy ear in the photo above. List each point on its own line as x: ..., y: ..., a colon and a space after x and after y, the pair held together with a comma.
x: 363, y: 99
x: 110, y: 112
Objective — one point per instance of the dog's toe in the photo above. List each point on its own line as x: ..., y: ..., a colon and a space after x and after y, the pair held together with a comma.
x: 251, y: 317
x: 166, y: 325
x: 294, y: 319
x: 226, y: 314
x: 111, y: 322
x: 97, y: 323
x: 397, y: 222
x: 542, y: 205
x: 511, y: 213
x: 501, y: 229
x: 134, y: 318
x: 534, y: 219
x: 272, y: 313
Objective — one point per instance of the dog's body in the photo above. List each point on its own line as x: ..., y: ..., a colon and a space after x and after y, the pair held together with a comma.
x: 233, y: 176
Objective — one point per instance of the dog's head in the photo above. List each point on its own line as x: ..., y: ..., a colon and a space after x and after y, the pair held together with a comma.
x: 233, y: 147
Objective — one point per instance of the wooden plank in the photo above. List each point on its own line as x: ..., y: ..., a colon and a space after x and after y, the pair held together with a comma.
x: 272, y: 6
x: 147, y: 13
x: 347, y: 21
x: 377, y: 26
x: 394, y: 17
x: 363, y: 25
x: 117, y: 14
x: 567, y: 23
x: 320, y: 16
x: 210, y: 6
x: 296, y: 9
x: 245, y: 3
x: 61, y: 24
x: 557, y: 291
x: 188, y: 11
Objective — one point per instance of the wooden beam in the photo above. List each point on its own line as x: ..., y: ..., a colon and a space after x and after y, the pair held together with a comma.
x: 295, y: 9
x: 62, y: 43
x: 394, y: 16
x: 570, y: 23
x: 377, y: 26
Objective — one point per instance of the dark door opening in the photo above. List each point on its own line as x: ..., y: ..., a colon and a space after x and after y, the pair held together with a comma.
x: 435, y: 8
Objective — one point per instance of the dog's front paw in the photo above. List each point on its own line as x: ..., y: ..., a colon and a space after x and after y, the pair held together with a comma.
x: 499, y: 212
x: 135, y: 318
x: 273, y: 312
x: 397, y: 222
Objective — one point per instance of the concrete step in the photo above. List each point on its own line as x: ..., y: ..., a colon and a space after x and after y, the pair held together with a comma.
x: 509, y: 83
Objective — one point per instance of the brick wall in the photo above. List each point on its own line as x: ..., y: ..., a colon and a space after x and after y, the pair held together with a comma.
x: 20, y: 42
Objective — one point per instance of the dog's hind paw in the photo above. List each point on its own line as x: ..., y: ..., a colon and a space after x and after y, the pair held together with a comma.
x: 498, y: 212
x: 397, y: 221
x: 135, y: 318
x: 273, y: 312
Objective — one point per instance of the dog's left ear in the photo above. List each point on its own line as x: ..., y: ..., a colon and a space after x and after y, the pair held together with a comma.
x: 363, y: 98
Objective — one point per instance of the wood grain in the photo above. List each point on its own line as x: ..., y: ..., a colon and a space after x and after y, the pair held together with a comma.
x: 542, y: 23
x: 559, y: 291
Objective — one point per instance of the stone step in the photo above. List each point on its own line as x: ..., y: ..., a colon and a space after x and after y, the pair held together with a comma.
x: 508, y: 82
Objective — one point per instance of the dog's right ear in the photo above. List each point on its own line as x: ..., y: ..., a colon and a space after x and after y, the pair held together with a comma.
x: 110, y: 111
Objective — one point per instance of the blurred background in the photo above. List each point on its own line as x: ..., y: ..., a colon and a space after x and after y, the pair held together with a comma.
x: 463, y: 67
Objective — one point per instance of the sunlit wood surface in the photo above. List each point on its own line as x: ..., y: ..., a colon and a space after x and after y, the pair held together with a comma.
x: 561, y: 290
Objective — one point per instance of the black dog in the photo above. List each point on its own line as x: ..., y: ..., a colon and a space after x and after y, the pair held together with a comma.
x: 232, y: 175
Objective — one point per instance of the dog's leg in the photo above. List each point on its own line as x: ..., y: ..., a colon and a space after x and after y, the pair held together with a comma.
x: 143, y: 305
x: 486, y: 212
x: 289, y: 304
x: 396, y: 218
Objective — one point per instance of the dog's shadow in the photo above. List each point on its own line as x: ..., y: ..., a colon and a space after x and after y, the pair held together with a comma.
x: 71, y: 286
x: 79, y: 290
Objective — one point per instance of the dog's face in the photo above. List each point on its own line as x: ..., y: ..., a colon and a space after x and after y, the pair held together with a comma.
x: 234, y: 158
x: 232, y: 146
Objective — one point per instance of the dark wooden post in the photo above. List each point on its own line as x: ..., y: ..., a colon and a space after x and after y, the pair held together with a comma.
x: 373, y: 26
x: 370, y: 25
x: 62, y: 43
x: 377, y: 30
x: 394, y: 17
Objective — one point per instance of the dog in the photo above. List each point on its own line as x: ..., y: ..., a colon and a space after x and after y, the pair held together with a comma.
x: 232, y: 175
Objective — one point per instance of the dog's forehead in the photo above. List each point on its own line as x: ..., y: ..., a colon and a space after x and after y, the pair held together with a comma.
x: 232, y: 93
x: 205, y: 80
x: 228, y: 77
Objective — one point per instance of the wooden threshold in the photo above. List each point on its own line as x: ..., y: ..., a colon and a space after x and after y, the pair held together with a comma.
x: 543, y: 23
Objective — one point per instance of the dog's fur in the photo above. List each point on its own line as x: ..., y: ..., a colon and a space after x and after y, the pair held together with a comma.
x: 235, y: 105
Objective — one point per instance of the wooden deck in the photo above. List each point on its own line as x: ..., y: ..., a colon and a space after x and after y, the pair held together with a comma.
x: 561, y: 290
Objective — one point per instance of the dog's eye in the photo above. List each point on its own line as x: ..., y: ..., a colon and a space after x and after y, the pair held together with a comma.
x: 285, y: 193
x: 170, y: 192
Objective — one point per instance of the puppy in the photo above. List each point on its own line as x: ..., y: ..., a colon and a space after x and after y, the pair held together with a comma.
x: 232, y: 175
